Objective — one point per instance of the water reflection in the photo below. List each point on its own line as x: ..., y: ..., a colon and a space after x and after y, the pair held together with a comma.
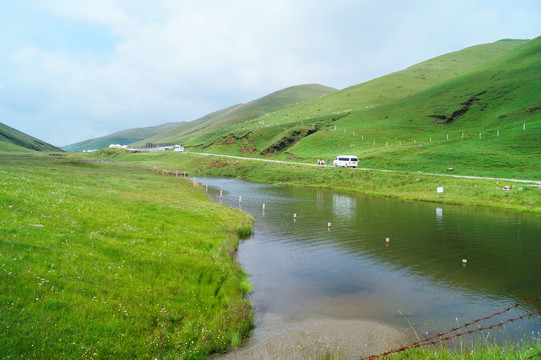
x: 301, y: 269
x: 344, y: 206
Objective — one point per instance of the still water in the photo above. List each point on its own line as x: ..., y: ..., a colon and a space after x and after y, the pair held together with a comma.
x: 301, y: 269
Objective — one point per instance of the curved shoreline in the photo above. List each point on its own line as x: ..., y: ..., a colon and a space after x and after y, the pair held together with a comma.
x: 317, y: 338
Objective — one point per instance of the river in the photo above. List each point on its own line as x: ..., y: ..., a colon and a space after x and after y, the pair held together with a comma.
x: 348, y: 276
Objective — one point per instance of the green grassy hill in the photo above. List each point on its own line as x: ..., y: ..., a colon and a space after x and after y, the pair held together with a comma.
x: 473, y: 123
x: 198, y: 131
x: 124, y: 137
x: 486, y: 92
x: 15, y: 141
x: 372, y: 93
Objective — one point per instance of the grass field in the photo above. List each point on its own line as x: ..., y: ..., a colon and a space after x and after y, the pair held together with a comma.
x: 100, y: 257
x: 100, y: 261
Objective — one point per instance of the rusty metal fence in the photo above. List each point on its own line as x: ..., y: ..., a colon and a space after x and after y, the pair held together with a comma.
x: 461, y: 331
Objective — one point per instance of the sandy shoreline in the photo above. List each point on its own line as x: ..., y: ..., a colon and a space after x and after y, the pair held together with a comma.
x: 315, y: 338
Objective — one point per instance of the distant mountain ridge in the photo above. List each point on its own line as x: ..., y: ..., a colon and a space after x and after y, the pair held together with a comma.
x: 239, y: 113
x: 124, y: 137
x: 12, y: 139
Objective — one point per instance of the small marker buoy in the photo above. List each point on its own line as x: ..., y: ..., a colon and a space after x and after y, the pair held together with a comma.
x: 329, y: 225
x: 464, y: 262
x: 263, y: 206
x: 240, y: 199
x: 387, y: 240
x: 294, y: 216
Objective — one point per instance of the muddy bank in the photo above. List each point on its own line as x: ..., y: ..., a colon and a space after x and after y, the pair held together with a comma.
x: 312, y: 339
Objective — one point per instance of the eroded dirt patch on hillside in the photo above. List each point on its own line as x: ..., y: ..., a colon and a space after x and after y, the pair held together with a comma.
x: 443, y: 119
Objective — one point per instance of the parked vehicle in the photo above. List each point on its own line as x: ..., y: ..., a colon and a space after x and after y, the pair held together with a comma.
x: 179, y: 148
x: 346, y: 161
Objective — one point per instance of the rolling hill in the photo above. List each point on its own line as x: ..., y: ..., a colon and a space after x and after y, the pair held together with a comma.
x: 124, y: 137
x: 14, y: 140
x: 486, y: 120
x: 209, y: 129
x: 219, y: 121
x: 477, y: 111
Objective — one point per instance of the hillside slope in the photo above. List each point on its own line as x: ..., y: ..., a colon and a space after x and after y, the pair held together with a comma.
x: 124, y: 137
x: 416, y: 78
x: 467, y: 109
x: 185, y: 129
x: 14, y: 140
x: 266, y: 129
x: 192, y: 132
x: 485, y: 121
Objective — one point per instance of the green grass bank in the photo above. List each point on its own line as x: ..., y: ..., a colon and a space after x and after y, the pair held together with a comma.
x: 100, y: 261
x: 404, y: 185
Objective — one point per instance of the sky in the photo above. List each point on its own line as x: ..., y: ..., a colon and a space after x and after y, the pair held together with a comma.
x: 76, y: 70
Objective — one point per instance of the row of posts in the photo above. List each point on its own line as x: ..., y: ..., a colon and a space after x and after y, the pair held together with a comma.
x: 329, y: 225
x: 415, y: 141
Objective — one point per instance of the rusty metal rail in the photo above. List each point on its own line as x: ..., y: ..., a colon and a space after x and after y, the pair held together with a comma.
x: 451, y: 334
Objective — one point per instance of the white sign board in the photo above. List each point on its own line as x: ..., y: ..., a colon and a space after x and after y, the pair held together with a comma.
x: 440, y: 190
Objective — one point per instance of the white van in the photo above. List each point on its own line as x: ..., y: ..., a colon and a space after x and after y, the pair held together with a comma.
x: 346, y: 161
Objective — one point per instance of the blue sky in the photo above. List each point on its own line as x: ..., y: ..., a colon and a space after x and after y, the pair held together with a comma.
x: 71, y: 71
